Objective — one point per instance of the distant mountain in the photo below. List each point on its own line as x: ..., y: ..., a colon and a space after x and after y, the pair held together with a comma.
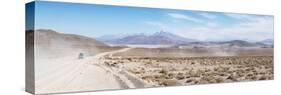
x: 49, y: 43
x: 241, y: 43
x: 108, y: 38
x: 267, y: 41
x: 49, y: 38
x: 231, y: 43
x: 161, y: 37
x: 174, y: 37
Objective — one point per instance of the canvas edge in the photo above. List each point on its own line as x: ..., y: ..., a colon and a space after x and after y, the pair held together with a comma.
x: 30, y: 58
x: 29, y: 47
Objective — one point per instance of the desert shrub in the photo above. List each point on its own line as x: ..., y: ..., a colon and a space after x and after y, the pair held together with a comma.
x: 180, y: 76
x: 187, y: 76
x: 107, y: 63
x: 254, y: 78
x: 163, y: 71
x: 169, y: 82
x: 148, y: 77
x: 203, y: 82
x: 136, y: 72
x: 194, y: 74
x: 188, y: 81
x: 196, y: 82
x: 192, y: 63
x: 222, y: 74
x: 173, y: 69
x: 250, y: 75
x: 208, y: 78
x: 216, y: 69
x: 170, y: 76
x: 231, y: 77
x: 159, y: 76
x: 219, y: 80
x: 262, y: 78
x: 133, y: 71
x: 113, y: 64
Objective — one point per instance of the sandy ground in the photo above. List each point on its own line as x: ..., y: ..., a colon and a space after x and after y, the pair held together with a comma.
x: 88, y: 74
x: 175, y: 71
x: 108, y: 71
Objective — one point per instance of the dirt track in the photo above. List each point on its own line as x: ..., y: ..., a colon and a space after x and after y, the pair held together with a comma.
x: 84, y: 75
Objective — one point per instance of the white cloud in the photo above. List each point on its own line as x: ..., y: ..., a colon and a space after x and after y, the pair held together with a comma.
x: 258, y: 28
x: 245, y: 27
x: 247, y: 17
x: 156, y: 24
x: 184, y: 17
x: 212, y: 24
x: 208, y: 16
x: 239, y: 16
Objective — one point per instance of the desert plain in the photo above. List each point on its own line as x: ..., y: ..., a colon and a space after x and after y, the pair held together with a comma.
x: 60, y: 68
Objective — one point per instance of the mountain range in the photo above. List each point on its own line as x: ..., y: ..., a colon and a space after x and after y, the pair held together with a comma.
x: 267, y: 41
x: 51, y: 38
x: 163, y: 38
x: 167, y: 38
x: 50, y: 44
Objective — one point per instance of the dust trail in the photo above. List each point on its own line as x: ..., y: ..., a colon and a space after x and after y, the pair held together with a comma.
x: 222, y: 51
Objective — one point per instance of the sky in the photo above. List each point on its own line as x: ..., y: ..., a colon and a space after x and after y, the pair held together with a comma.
x: 98, y: 20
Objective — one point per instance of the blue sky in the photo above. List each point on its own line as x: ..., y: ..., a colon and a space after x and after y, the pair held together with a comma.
x: 98, y: 20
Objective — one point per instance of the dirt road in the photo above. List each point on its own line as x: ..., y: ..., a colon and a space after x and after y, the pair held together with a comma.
x: 84, y: 75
